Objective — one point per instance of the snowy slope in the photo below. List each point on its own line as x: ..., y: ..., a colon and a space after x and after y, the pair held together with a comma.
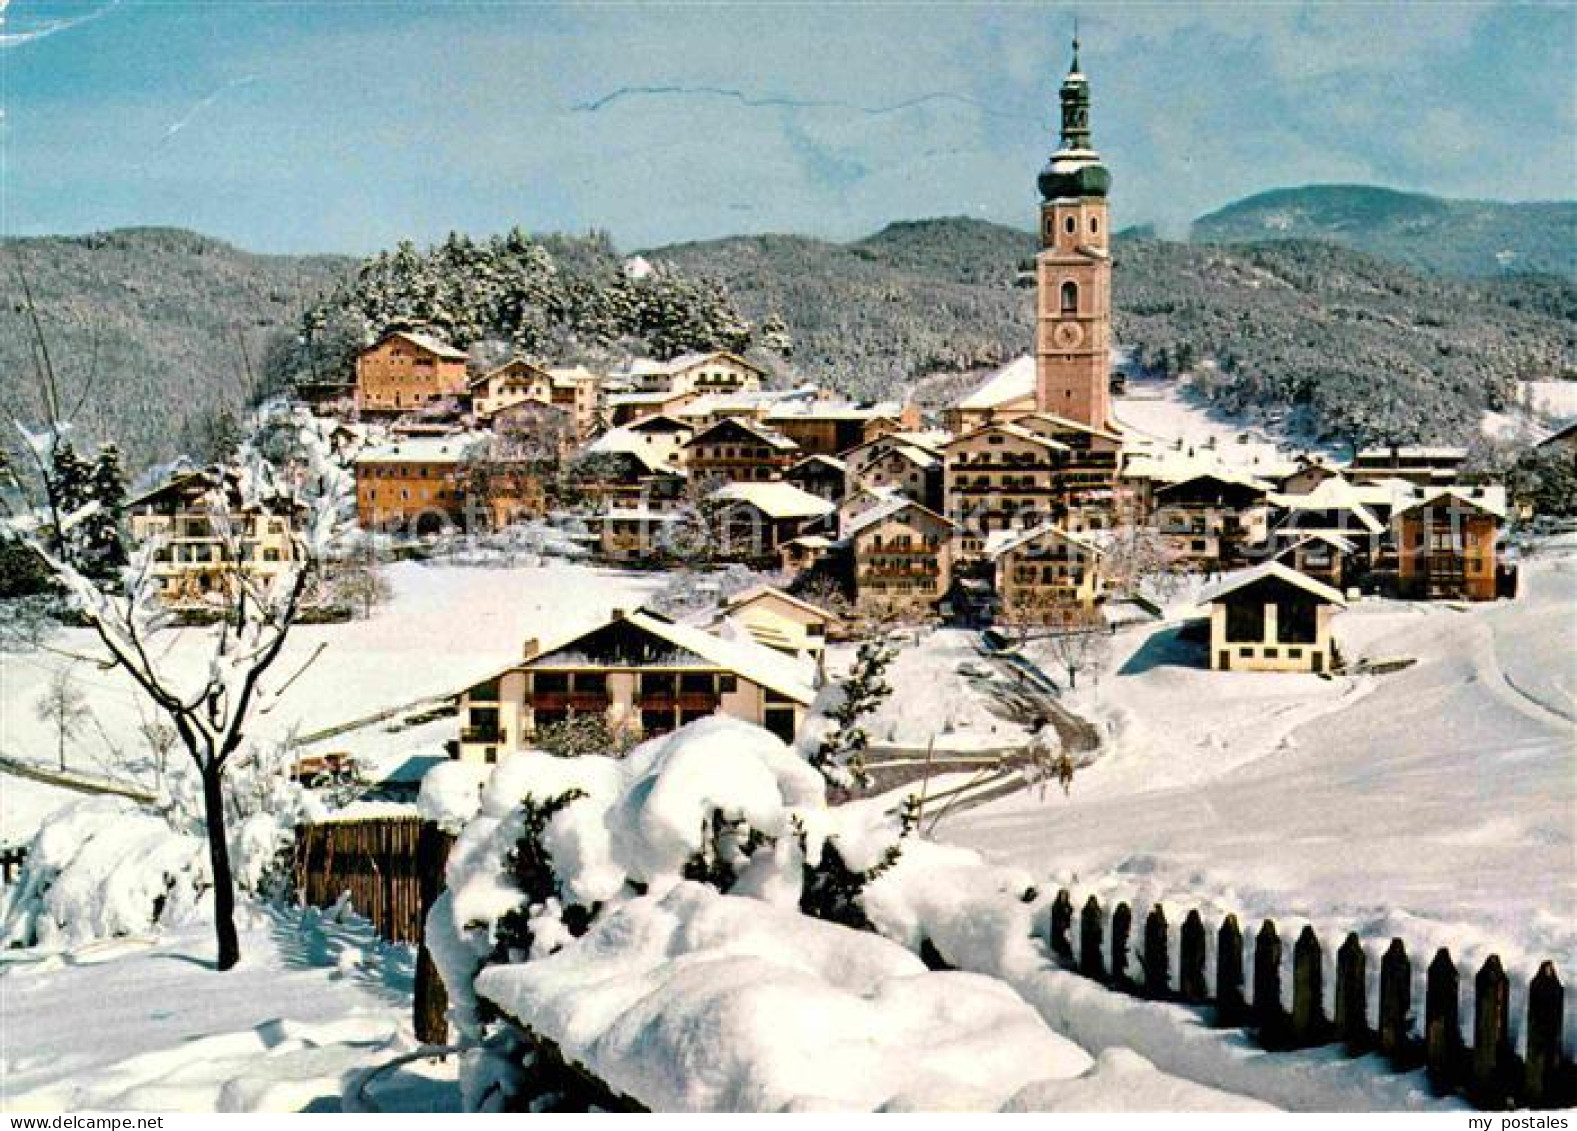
x: 443, y: 629
x: 1437, y: 804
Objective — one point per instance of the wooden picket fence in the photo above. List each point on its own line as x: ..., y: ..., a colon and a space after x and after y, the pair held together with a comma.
x: 1489, y: 1071
x: 379, y: 862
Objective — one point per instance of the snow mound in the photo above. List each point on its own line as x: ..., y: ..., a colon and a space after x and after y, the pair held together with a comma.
x: 718, y: 765
x: 1125, y: 1081
x: 786, y: 1013
x: 451, y: 794
x: 102, y: 867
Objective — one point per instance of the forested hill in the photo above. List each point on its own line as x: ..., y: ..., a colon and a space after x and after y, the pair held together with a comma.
x: 1370, y: 350
x: 1451, y: 237
x: 157, y: 332
x: 176, y: 329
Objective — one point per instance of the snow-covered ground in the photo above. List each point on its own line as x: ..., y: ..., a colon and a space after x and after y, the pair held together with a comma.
x: 443, y: 629
x: 146, y: 1024
x: 1438, y: 803
x: 933, y: 698
x: 1165, y: 413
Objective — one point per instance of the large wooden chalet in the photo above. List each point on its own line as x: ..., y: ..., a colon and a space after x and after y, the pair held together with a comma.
x: 644, y: 675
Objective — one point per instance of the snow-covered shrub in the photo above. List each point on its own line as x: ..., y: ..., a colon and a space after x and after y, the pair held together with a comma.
x: 102, y: 867
x: 558, y: 843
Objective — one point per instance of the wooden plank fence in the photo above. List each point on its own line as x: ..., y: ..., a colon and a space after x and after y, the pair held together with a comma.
x: 393, y: 869
x: 378, y: 862
x: 1248, y: 992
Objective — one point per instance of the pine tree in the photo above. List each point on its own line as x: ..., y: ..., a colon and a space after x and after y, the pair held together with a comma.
x: 98, y: 537
x: 841, y: 755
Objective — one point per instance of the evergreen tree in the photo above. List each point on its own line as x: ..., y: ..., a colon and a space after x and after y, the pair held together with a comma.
x: 98, y: 537
x: 841, y: 755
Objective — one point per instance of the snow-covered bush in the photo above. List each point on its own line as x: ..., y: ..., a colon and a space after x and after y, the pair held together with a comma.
x: 557, y: 844
x: 105, y: 867
x: 676, y: 925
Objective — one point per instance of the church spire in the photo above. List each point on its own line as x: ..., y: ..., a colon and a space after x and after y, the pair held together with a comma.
x: 1075, y: 104
x: 1075, y: 170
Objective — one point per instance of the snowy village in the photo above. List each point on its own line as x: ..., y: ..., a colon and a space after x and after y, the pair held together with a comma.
x: 556, y: 696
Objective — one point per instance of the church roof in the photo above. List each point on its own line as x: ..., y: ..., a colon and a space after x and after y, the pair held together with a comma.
x: 1014, y: 381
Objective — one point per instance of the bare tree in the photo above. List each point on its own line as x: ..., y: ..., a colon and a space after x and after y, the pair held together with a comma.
x: 1080, y: 643
x: 62, y: 706
x: 210, y: 709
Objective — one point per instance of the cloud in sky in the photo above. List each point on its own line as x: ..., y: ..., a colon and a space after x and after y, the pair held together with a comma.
x: 379, y: 121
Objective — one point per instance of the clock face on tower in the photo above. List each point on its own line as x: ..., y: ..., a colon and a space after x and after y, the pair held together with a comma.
x: 1067, y: 335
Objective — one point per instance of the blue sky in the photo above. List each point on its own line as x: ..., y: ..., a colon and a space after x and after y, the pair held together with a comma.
x: 347, y: 126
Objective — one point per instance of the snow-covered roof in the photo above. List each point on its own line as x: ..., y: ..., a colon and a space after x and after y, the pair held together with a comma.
x: 765, y: 592
x: 765, y: 435
x: 835, y: 410
x: 833, y: 462
x: 660, y: 422
x: 621, y: 441
x: 451, y: 448
x: 886, y: 510
x: 660, y: 396
x: 1491, y: 500
x: 1564, y: 432
x: 1277, y: 571
x: 1416, y: 452
x: 1017, y: 431
x: 775, y: 499
x: 752, y: 661
x: 570, y: 374
x: 1329, y: 537
x: 647, y: 366
x: 499, y: 371
x: 1335, y: 494
x: 638, y: 514
x: 921, y: 457
x: 1000, y: 542
x: 425, y: 342
x: 1071, y: 425
x: 1227, y: 476
x: 1013, y: 381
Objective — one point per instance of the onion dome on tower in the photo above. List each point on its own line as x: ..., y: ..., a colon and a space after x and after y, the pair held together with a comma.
x: 1075, y: 169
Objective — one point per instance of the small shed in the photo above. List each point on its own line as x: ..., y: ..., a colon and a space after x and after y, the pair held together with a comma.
x: 1272, y: 618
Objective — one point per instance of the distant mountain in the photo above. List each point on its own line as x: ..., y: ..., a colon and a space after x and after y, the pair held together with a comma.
x: 171, y: 322
x: 1452, y: 237
x: 155, y: 330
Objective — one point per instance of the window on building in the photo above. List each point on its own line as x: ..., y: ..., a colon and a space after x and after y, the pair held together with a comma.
x: 1070, y: 225
x: 551, y: 683
x: 1245, y: 620
x: 1296, y: 621
x: 1070, y: 298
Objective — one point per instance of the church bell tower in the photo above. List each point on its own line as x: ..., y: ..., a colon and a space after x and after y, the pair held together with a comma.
x: 1074, y: 270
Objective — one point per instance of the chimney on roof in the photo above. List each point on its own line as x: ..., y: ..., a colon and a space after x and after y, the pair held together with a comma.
x: 618, y: 614
x: 529, y: 650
